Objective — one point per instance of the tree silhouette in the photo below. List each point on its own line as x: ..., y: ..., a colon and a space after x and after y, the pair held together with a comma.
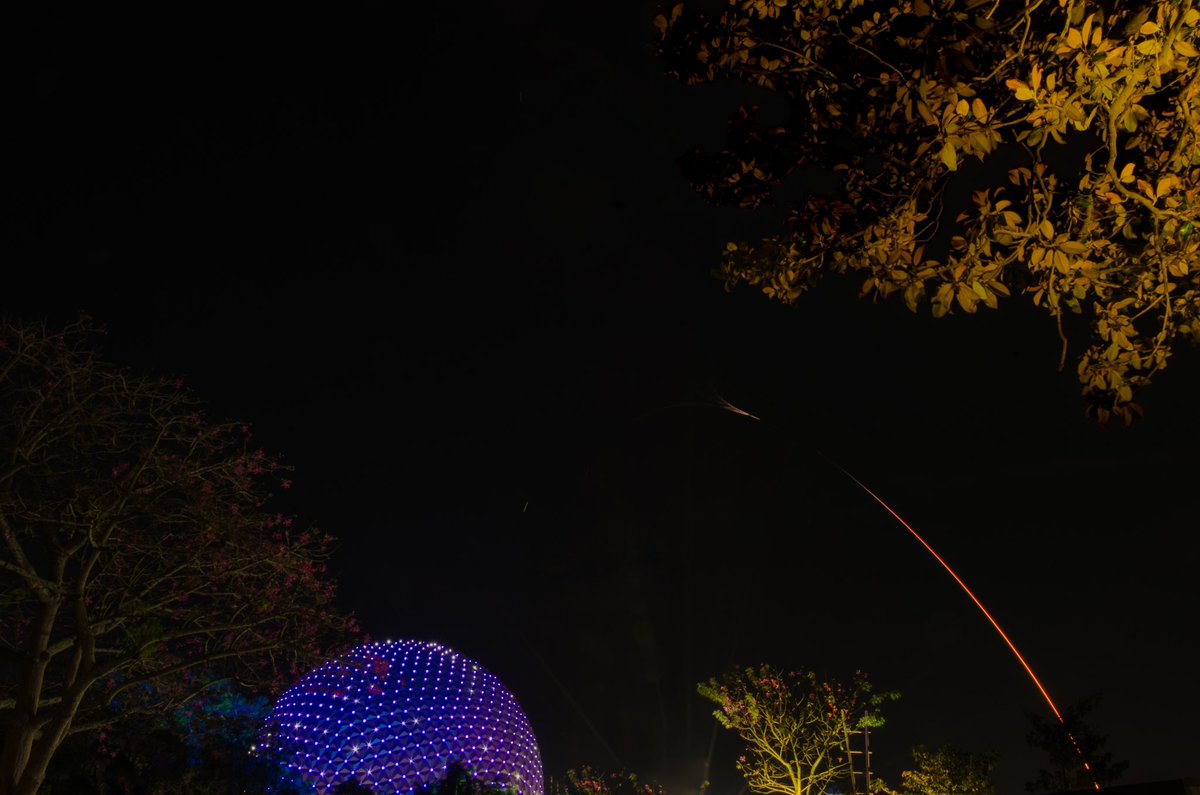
x: 1068, y: 746
x: 140, y: 562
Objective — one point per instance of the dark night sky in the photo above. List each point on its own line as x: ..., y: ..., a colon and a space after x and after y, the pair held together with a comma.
x: 445, y: 263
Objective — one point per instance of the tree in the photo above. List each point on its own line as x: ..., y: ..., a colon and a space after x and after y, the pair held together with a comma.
x: 459, y: 779
x: 1074, y: 749
x: 948, y: 771
x: 1091, y: 103
x: 198, y: 749
x: 795, y: 727
x: 141, y: 560
x: 590, y: 781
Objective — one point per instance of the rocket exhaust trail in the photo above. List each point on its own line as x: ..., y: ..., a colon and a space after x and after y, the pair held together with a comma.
x: 979, y: 604
x: 727, y: 406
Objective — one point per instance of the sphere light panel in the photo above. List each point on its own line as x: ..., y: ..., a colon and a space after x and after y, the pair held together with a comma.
x: 395, y: 716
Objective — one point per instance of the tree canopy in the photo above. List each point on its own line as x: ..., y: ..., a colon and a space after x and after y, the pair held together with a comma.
x: 141, y: 559
x: 590, y: 781
x: 1083, y: 112
x: 948, y: 771
x: 796, y: 728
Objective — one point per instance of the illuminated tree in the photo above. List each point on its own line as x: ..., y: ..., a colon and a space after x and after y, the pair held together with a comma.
x: 1070, y: 744
x: 896, y: 97
x: 141, y: 563
x: 796, y: 728
x: 948, y: 771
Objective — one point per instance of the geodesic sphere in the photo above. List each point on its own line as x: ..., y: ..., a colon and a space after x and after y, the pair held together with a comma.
x: 395, y: 715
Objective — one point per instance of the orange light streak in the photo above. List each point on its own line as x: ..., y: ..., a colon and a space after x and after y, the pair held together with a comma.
x: 982, y: 609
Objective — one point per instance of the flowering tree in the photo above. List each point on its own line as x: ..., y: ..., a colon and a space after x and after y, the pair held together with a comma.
x: 894, y: 97
x: 140, y: 560
x: 795, y: 727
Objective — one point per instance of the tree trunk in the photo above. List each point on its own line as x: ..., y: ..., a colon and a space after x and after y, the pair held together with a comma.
x: 14, y: 760
x: 27, y: 754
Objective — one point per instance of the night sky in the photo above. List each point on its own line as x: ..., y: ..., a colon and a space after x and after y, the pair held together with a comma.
x: 443, y: 260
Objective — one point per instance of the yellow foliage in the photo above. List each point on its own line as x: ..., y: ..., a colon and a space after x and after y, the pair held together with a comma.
x: 919, y: 85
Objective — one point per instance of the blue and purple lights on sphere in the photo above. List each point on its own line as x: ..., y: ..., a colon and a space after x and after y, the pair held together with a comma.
x: 395, y: 715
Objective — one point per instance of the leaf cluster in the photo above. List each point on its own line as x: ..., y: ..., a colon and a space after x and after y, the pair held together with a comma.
x: 1096, y: 102
x: 591, y: 781
x: 948, y: 771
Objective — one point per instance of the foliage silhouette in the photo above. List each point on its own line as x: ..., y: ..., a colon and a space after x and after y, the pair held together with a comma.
x: 1067, y: 746
x: 140, y: 562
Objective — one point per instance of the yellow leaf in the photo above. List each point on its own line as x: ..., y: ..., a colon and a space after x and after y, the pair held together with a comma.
x: 1164, y: 186
x: 1148, y: 28
x: 949, y: 156
x: 1061, y: 263
x: 1148, y: 47
x: 1020, y: 90
x: 978, y: 109
x: 979, y: 289
x: 962, y: 108
x: 1127, y: 173
x: 966, y: 298
x: 1074, y: 39
x: 1191, y: 17
x: 1047, y: 229
x: 1185, y: 49
x: 1073, y: 247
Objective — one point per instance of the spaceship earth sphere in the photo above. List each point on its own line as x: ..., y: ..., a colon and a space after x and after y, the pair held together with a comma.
x: 395, y: 715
